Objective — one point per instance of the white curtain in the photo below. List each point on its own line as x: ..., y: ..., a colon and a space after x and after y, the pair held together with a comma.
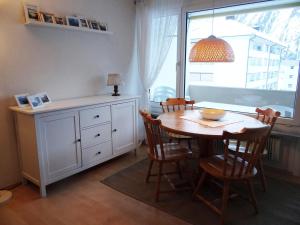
x: 156, y: 23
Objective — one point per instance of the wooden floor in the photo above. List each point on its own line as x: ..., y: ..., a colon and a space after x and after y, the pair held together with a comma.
x: 83, y: 200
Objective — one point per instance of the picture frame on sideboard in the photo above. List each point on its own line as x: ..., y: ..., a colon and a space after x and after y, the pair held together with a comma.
x: 35, y: 101
x: 44, y: 97
x: 22, y: 100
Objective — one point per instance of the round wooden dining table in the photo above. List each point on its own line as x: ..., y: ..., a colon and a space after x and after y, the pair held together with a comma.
x: 190, y: 123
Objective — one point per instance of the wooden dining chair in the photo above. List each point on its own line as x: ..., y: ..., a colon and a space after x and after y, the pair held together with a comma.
x: 267, y: 116
x: 161, y: 152
x: 232, y: 166
x: 175, y: 104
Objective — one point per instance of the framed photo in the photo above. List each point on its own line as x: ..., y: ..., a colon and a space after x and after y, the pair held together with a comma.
x: 94, y: 25
x: 35, y: 101
x: 60, y: 20
x: 31, y: 12
x: 84, y: 22
x: 47, y: 17
x: 73, y: 21
x: 22, y: 100
x: 44, y: 97
x: 103, y: 26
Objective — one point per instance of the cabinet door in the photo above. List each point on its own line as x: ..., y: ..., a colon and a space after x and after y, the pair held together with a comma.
x: 123, y: 127
x: 60, y: 145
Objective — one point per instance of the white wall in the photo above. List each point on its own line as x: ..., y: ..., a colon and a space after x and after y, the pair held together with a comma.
x: 66, y: 64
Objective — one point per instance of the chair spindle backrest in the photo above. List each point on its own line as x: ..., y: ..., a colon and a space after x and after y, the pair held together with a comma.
x: 154, y: 135
x: 175, y: 104
x: 267, y: 116
x: 254, y: 139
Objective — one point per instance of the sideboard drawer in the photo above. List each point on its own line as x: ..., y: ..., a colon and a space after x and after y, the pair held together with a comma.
x: 96, y: 153
x: 89, y: 117
x: 95, y: 135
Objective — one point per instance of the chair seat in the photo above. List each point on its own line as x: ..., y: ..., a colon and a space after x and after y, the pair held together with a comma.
x: 242, y: 149
x: 179, y: 136
x: 172, y: 152
x: 214, y: 166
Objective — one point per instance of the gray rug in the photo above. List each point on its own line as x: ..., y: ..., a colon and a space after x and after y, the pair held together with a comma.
x: 280, y: 205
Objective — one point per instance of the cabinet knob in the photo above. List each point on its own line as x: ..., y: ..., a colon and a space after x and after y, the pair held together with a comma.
x: 97, y: 116
x: 97, y: 135
x: 98, y: 153
x: 78, y: 140
x: 114, y: 130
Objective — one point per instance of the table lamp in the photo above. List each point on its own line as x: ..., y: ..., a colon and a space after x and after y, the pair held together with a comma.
x: 114, y: 79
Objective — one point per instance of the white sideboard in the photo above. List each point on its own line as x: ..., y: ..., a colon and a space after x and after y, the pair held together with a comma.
x: 69, y: 136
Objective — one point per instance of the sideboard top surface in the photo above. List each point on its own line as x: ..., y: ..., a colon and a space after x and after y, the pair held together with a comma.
x: 72, y: 103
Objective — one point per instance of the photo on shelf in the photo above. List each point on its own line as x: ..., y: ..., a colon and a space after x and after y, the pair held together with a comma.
x: 47, y: 17
x: 35, y: 101
x: 103, y: 26
x: 44, y: 97
x: 22, y: 100
x: 84, y: 22
x: 72, y: 21
x: 60, y: 20
x: 94, y: 25
x: 31, y: 12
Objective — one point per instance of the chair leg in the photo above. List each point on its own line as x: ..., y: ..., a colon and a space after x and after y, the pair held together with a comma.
x: 149, y: 171
x: 224, y: 200
x: 179, y: 170
x: 252, y: 194
x: 262, y: 174
x: 160, y: 166
x: 200, y: 183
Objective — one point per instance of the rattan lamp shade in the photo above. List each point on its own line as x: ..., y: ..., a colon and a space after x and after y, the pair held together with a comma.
x: 211, y: 49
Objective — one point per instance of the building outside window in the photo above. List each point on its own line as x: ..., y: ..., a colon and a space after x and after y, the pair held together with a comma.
x: 265, y: 73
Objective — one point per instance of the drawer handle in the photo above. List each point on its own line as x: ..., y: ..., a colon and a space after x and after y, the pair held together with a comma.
x: 78, y: 140
x: 98, y: 153
x: 97, y: 116
x: 97, y: 135
x: 114, y: 130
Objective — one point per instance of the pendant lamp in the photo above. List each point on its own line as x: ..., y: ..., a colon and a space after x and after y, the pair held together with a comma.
x: 212, y: 49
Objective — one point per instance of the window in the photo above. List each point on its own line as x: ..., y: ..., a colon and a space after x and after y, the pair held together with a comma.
x: 266, y: 43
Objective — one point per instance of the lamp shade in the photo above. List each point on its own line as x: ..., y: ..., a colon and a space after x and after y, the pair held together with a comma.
x: 211, y: 49
x: 113, y: 79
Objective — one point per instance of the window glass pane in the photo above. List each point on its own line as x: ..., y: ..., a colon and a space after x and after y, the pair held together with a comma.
x: 266, y: 68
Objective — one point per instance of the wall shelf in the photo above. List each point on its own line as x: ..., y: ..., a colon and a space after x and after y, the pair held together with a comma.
x: 65, y: 27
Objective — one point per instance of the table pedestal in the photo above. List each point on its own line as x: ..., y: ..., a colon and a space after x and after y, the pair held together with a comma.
x: 206, y: 147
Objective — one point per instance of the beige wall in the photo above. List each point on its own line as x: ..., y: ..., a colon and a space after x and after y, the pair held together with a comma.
x: 66, y: 64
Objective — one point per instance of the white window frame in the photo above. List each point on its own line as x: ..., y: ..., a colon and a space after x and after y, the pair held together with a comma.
x: 284, y: 125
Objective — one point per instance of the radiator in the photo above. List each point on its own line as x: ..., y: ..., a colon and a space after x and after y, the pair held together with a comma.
x: 273, y: 148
